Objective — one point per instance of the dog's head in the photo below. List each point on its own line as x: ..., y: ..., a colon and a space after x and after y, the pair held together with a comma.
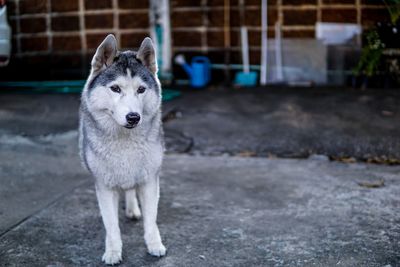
x: 124, y: 85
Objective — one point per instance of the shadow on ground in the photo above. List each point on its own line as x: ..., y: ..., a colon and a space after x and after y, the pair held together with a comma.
x: 290, y: 122
x: 265, y: 122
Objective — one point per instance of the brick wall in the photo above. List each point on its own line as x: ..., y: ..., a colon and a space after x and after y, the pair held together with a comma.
x: 58, y: 37
x: 198, y: 25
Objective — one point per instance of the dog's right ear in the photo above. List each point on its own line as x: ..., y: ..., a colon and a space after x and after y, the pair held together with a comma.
x: 105, y: 54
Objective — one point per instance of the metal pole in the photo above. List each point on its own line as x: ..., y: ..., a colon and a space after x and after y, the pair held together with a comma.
x: 227, y: 40
x: 264, y: 42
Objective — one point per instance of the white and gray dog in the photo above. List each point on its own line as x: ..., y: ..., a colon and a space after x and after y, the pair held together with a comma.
x: 121, y: 139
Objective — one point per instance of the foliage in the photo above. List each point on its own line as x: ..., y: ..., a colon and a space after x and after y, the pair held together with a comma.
x: 371, y: 53
x: 393, y: 6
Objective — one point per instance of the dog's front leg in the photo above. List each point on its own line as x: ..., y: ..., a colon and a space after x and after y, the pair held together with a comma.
x: 108, y: 202
x: 148, y: 197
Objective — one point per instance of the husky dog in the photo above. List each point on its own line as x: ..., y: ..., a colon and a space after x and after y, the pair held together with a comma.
x: 121, y: 139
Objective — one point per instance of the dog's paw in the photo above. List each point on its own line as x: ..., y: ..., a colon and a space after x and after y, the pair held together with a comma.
x: 112, y: 257
x: 133, y: 214
x: 156, y: 249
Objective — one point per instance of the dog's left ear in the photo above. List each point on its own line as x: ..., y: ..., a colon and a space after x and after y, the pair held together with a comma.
x: 147, y: 55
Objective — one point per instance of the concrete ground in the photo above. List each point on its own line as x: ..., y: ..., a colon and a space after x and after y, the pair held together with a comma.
x: 215, y: 209
x: 283, y: 122
x: 291, y: 123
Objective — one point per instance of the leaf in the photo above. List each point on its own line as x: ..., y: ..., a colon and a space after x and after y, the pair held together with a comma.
x: 376, y: 184
x: 246, y: 154
x: 345, y: 159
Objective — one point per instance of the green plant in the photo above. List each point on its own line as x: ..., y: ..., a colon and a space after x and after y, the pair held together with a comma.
x: 393, y: 6
x: 370, y: 55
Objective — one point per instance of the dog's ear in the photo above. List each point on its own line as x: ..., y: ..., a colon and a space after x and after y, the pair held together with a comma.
x: 105, y: 53
x: 147, y: 55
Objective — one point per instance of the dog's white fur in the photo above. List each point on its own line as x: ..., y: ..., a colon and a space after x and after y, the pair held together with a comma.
x: 120, y: 158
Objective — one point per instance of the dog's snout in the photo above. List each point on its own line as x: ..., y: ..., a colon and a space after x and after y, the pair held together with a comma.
x: 133, y: 118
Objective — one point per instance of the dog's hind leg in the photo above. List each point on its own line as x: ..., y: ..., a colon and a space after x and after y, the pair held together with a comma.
x: 132, y: 210
x: 148, y: 196
x: 108, y: 202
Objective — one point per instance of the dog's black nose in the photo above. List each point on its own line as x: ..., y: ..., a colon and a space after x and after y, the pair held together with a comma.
x: 133, y: 118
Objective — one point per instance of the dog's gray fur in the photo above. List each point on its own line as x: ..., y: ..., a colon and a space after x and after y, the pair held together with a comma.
x: 120, y: 158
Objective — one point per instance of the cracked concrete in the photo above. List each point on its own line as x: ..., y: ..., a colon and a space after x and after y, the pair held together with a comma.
x: 231, y: 211
x: 214, y: 210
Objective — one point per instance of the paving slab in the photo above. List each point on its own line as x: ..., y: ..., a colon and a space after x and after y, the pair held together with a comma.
x: 232, y: 211
x: 35, y: 172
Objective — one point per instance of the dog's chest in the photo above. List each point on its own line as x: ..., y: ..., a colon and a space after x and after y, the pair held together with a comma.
x: 124, y: 163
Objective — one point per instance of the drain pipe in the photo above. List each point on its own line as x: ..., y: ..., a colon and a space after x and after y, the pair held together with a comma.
x: 234, y: 66
x: 264, y: 42
x: 278, y: 51
x: 160, y: 31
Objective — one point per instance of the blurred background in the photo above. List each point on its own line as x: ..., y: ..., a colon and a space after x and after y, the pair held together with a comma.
x: 307, y: 42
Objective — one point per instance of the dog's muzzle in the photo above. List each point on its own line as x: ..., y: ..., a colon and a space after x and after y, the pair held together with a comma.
x: 132, y: 119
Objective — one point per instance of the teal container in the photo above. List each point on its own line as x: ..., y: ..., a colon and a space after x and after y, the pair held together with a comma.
x: 246, y: 78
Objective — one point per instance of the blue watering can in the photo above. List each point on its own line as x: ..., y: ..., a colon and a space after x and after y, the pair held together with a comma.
x: 199, y: 70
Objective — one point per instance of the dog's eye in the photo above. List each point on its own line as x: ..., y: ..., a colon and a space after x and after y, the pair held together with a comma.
x: 141, y: 89
x: 115, y: 88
